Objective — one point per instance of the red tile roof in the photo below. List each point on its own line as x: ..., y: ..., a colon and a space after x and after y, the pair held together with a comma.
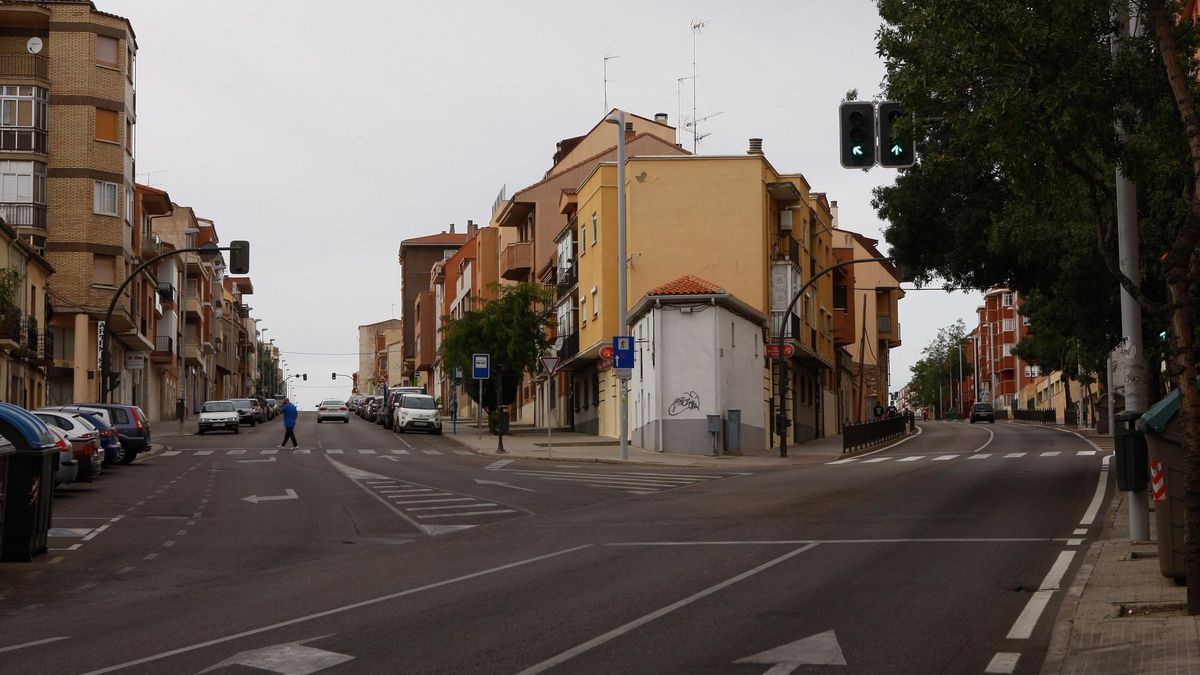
x: 436, y: 239
x: 687, y: 285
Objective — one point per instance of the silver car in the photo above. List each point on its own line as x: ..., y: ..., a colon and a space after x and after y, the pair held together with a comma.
x: 333, y: 409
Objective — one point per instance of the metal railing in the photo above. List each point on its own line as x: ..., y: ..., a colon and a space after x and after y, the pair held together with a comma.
x: 1042, y: 416
x: 570, y: 346
x: 15, y: 64
x: 29, y: 332
x: 566, y: 281
x: 10, y: 325
x: 164, y: 344
x: 856, y: 436
x: 46, y: 348
x: 166, y: 291
x: 22, y: 214
x: 791, y: 327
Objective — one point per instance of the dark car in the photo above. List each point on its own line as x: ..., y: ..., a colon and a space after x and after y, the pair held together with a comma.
x: 133, y: 427
x: 249, y: 411
x: 982, y: 412
x: 110, y: 441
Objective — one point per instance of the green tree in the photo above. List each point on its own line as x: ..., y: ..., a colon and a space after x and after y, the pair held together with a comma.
x: 512, y: 328
x: 1015, y: 104
x: 938, y: 372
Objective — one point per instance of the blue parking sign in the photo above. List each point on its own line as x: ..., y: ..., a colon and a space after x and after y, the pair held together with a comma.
x: 481, y: 366
x: 623, y: 351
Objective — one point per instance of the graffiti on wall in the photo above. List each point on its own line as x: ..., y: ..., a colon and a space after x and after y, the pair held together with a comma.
x: 688, y: 400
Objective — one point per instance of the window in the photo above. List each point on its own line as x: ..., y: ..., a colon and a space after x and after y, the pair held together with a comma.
x: 129, y: 206
x: 108, y: 51
x: 1007, y: 324
x: 594, y: 226
x: 103, y: 270
x: 1006, y: 299
x: 1025, y: 320
x: 583, y: 311
x: 106, y: 125
x: 583, y: 240
x: 104, y: 198
x: 839, y: 298
x: 22, y: 183
x: 595, y: 304
x: 23, y: 118
x: 1006, y: 350
x: 596, y: 389
x: 129, y: 60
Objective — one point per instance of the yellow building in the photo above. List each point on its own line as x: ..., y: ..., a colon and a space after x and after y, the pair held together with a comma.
x: 26, y: 344
x: 734, y: 222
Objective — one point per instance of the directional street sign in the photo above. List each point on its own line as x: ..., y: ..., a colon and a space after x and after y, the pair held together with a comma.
x: 481, y: 366
x: 549, y: 364
x: 623, y: 351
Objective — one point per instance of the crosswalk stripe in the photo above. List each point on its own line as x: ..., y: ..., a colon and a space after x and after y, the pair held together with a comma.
x: 875, y: 460
x: 942, y: 458
x: 1051, y: 453
x: 237, y: 452
x: 668, y: 475
x: 980, y: 455
x: 272, y: 451
x: 468, y: 513
x: 171, y: 453
x: 432, y: 452
x: 1086, y: 453
x: 399, y: 452
x: 438, y: 501
x: 463, y: 452
x: 1013, y: 455
x: 334, y: 451
x: 911, y: 459
x: 603, y: 479
x: 622, y: 476
x: 302, y: 451
x: 613, y: 483
x: 204, y: 452
x: 366, y: 452
x: 844, y: 461
x: 452, y: 506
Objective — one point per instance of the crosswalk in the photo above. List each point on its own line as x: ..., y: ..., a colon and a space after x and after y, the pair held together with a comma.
x: 947, y: 457
x: 636, y: 483
x: 308, y: 451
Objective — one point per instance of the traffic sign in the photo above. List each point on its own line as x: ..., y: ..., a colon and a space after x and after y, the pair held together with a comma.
x: 481, y: 366
x: 773, y: 350
x: 1158, y: 481
x: 622, y: 349
x: 606, y: 353
x: 549, y: 364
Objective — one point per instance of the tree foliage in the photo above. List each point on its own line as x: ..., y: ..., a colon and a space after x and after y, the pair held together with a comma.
x: 512, y: 329
x: 935, y: 375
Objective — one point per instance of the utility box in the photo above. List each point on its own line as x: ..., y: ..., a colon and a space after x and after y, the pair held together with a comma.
x: 1131, y: 458
x: 502, y: 421
x: 733, y: 431
x: 1165, y: 444
x: 27, y: 492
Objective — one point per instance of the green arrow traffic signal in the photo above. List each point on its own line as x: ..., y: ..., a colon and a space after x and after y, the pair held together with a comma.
x: 857, y: 134
x: 895, y: 134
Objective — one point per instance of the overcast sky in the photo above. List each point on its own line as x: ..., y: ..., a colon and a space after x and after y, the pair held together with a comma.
x: 325, y: 133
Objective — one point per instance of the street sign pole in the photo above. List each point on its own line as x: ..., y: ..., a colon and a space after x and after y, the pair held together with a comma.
x: 481, y: 369
x: 550, y: 365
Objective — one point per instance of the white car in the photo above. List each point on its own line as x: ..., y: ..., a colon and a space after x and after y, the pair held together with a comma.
x: 418, y: 412
x: 68, y: 468
x: 333, y: 409
x: 219, y: 415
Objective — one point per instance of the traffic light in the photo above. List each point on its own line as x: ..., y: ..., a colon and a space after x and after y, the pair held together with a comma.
x: 857, y: 134
x: 239, y: 257
x: 333, y: 376
x: 896, y: 149
x: 305, y: 376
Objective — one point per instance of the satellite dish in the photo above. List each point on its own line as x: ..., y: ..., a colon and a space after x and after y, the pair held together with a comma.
x: 34, y: 45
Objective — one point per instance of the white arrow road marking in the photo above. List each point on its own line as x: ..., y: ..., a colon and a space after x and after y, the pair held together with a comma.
x: 290, y: 658
x: 498, y: 464
x: 821, y: 649
x: 496, y: 482
x: 287, y: 494
x: 254, y: 461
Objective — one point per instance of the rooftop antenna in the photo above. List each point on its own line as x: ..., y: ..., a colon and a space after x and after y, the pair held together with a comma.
x: 606, y: 80
x: 697, y: 26
x: 149, y: 175
x: 679, y: 105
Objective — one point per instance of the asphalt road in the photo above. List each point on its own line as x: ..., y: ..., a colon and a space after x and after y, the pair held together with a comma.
x: 370, y: 552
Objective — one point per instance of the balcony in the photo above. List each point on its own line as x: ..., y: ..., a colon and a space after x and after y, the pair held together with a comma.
x: 45, y: 350
x: 167, y: 292
x: 164, y: 350
x: 10, y: 328
x: 516, y: 260
x: 151, y: 246
x: 889, y: 330
x: 570, y: 346
x: 192, y: 301
x: 23, y: 214
x: 192, y: 354
x: 29, y: 333
x: 790, y: 328
x: 23, y: 139
x: 567, y: 280
x: 16, y: 64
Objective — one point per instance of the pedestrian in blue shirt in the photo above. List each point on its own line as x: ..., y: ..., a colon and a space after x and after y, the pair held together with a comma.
x: 289, y: 423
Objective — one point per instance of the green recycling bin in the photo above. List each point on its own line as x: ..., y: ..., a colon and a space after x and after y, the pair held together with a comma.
x: 28, y: 486
x: 1164, y: 441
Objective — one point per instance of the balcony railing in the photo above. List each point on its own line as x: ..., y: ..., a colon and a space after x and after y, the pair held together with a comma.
x: 45, y: 353
x: 29, y: 333
x: 15, y: 64
x: 570, y: 346
x: 516, y: 260
x: 791, y: 327
x: 166, y: 291
x: 567, y: 279
x: 10, y: 325
x: 23, y: 214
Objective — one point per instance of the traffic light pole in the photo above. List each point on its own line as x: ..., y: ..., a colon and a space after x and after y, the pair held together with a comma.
x: 781, y: 418
x: 106, y: 385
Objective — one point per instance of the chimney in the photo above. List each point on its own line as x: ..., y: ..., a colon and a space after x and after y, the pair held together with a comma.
x: 471, y: 228
x: 833, y: 210
x: 451, y: 228
x: 755, y: 147
x: 661, y: 118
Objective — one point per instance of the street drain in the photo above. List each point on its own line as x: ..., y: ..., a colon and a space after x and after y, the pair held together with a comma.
x: 1143, y: 609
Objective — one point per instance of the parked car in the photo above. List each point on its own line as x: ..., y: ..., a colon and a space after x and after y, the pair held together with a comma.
x: 68, y: 468
x: 418, y: 412
x: 110, y: 440
x: 133, y: 427
x: 333, y: 409
x: 220, y: 415
x: 982, y: 412
x: 393, y: 400
x: 265, y: 408
x: 272, y: 408
x: 83, y: 437
x: 248, y: 410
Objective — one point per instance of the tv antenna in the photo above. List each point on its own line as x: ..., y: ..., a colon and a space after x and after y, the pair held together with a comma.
x: 697, y: 26
x: 606, y: 80
x: 694, y: 126
x: 150, y: 175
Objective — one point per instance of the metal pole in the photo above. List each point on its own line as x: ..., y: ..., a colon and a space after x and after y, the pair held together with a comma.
x: 960, y: 377
x: 549, y: 423
x: 618, y: 118
x: 1137, y: 395
x: 1108, y: 384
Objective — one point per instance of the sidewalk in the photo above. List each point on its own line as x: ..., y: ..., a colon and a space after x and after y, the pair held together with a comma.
x: 578, y: 447
x: 1121, y: 615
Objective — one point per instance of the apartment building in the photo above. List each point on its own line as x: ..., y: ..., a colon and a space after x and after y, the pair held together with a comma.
x: 417, y: 257
x: 26, y: 348
x: 1001, y: 373
x: 866, y: 300
x: 373, y: 357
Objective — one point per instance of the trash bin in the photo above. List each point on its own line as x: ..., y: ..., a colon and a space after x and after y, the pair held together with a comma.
x: 28, y: 486
x: 1164, y: 441
x: 1130, y: 457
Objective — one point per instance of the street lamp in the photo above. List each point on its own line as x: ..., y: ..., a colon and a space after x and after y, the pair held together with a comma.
x: 617, y: 117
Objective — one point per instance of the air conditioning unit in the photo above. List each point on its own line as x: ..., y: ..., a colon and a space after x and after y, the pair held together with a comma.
x: 785, y: 220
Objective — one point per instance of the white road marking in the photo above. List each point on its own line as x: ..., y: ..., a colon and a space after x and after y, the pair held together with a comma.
x: 236, y: 452
x: 1089, y: 516
x: 334, y: 451
x: 451, y: 506
x: 1003, y: 663
x: 436, y: 501
x: 335, y: 610
x: 980, y: 455
x: 1051, y: 453
x: 432, y: 452
x: 254, y: 461
x: 943, y: 458
x: 399, y: 452
x: 125, y: 570
x: 1023, y: 627
x: 150, y: 556
x: 821, y: 649
x: 480, y: 481
x: 796, y: 542
x: 641, y: 621
x: 1013, y: 455
x: 201, y: 453
x: 271, y: 451
x: 92, y: 535
x: 912, y: 458
x: 55, y: 560
x: 13, y: 648
x: 169, y: 543
x: 611, y: 482
x: 500, y: 463
x: 366, y: 452
x: 875, y: 460
x: 287, y: 494
x: 844, y: 461
x: 291, y: 658
x: 463, y: 452
x: 1086, y: 453
x: 466, y: 513
x: 1074, y: 542
x: 304, y: 451
x: 1080, y: 531
x: 171, y: 453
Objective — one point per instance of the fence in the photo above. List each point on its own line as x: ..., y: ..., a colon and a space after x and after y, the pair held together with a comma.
x: 856, y: 436
x: 1043, y: 416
